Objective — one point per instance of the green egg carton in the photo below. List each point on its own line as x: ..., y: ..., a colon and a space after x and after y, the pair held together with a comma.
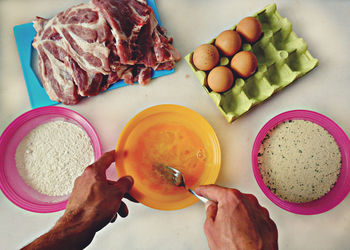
x: 282, y: 58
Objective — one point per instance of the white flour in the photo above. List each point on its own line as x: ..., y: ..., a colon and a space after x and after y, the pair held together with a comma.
x: 52, y: 155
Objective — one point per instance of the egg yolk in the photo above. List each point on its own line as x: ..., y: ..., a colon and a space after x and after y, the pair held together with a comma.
x: 172, y: 145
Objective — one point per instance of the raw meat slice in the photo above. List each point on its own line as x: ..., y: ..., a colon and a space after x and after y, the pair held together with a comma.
x: 126, y: 18
x: 117, y: 73
x: 66, y: 93
x: 88, y: 83
x: 136, y: 73
x: 139, y: 38
x: 144, y: 76
x: 63, y: 79
x: 52, y: 64
x: 85, y: 33
x: 163, y: 48
x: 145, y: 43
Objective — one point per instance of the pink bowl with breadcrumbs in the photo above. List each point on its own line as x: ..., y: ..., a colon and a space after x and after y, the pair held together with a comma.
x: 341, y: 188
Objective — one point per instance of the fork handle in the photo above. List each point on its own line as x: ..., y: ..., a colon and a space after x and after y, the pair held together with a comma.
x: 201, y: 198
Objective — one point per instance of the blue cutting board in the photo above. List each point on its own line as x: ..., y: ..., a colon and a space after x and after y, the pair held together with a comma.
x: 24, y: 35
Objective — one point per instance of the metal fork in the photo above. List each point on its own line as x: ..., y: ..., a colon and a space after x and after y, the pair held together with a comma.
x: 175, y: 177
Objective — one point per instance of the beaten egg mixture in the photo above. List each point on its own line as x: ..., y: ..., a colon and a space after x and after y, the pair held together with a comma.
x: 170, y: 144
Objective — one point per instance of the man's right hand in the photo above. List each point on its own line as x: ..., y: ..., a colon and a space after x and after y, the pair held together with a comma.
x: 236, y: 220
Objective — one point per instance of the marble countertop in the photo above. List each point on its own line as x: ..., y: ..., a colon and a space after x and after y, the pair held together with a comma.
x: 325, y: 27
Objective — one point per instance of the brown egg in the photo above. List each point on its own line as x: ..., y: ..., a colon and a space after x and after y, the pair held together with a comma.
x: 206, y: 57
x: 228, y: 42
x: 220, y: 79
x: 244, y: 63
x: 250, y: 29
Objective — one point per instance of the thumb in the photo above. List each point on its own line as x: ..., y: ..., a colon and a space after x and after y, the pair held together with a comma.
x: 101, y: 165
x: 211, y: 210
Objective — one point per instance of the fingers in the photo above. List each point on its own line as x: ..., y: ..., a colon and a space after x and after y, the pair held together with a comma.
x: 101, y: 165
x: 252, y: 202
x: 114, y: 218
x: 211, y: 210
x: 261, y: 217
x: 212, y: 192
x: 124, y: 184
x: 120, y: 190
x: 126, y: 195
x: 123, y: 210
x: 130, y: 198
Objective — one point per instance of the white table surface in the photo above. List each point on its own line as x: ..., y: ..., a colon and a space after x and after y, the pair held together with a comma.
x: 325, y: 27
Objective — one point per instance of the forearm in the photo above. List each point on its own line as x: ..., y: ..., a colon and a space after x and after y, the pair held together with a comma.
x: 54, y: 239
x: 66, y: 234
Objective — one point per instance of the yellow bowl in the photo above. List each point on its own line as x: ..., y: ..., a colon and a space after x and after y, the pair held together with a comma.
x: 171, y: 135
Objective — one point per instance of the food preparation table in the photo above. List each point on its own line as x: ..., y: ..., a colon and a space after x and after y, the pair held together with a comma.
x: 325, y: 27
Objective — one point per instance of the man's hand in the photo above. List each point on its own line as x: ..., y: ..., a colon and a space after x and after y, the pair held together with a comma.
x: 96, y: 198
x: 236, y: 220
x: 94, y: 202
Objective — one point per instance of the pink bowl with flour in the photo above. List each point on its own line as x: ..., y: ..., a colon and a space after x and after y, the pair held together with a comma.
x: 342, y: 187
x: 11, y: 183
